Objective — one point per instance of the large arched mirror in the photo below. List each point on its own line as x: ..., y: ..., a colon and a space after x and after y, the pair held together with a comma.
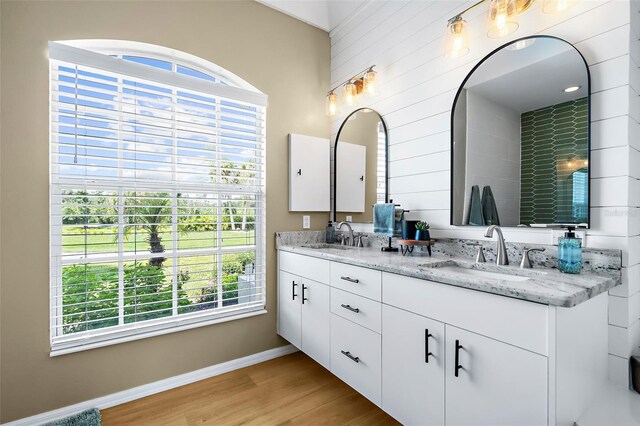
x: 520, y: 137
x: 360, y: 166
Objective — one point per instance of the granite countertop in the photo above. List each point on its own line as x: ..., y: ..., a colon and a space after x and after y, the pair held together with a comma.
x: 542, y: 284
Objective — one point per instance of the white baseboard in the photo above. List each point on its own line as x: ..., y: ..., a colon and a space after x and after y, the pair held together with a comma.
x: 155, y: 387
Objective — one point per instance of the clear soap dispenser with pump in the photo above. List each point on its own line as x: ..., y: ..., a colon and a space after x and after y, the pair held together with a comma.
x: 570, y: 252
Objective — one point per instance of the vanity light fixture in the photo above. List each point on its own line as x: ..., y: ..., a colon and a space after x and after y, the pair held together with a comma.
x: 457, y: 38
x: 572, y: 89
x: 503, y: 20
x: 365, y: 81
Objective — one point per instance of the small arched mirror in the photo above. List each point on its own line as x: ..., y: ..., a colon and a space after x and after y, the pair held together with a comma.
x: 360, y: 166
x: 520, y: 137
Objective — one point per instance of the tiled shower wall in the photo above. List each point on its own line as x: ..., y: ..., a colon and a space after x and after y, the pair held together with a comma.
x: 554, y: 161
x: 405, y: 41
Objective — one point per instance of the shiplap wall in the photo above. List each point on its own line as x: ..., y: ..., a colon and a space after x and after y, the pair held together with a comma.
x: 405, y: 40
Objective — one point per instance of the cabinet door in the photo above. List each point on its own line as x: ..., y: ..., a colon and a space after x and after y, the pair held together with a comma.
x: 351, y: 172
x: 309, y: 173
x: 289, y: 313
x: 316, y: 321
x: 412, y: 381
x: 497, y: 383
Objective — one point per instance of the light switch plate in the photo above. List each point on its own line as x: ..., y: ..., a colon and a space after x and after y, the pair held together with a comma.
x: 306, y: 222
x: 349, y: 218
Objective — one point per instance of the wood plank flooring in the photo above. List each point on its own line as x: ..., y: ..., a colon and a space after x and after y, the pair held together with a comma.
x: 290, y: 390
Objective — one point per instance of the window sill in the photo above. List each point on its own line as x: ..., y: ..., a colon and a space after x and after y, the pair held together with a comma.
x: 91, y: 342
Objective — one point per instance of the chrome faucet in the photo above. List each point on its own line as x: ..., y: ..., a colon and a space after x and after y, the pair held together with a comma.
x: 501, y: 252
x: 349, y: 240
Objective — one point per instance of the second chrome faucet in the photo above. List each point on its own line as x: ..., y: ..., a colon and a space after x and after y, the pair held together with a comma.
x: 501, y: 251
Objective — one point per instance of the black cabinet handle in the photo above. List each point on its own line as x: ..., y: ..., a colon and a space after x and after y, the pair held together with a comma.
x: 427, y: 354
x: 457, y: 362
x: 362, y: 178
x: 293, y: 290
x: 349, y: 308
x: 351, y: 357
x: 299, y: 172
x: 304, y: 287
x: 351, y: 280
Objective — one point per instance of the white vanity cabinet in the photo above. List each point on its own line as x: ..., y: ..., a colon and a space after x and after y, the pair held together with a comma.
x: 431, y: 354
x: 413, y: 365
x: 303, y: 305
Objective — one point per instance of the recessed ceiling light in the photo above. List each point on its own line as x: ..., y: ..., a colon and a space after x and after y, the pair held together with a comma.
x: 572, y: 89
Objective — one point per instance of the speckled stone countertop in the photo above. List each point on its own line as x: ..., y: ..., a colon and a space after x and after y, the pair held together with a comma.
x: 540, y: 284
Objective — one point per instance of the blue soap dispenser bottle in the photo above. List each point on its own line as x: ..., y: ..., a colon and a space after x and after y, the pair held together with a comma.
x: 570, y: 252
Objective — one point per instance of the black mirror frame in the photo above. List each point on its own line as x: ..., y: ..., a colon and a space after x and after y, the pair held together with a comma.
x: 455, y: 101
x: 335, y: 156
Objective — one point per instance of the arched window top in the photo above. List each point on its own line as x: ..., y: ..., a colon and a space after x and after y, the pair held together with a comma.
x: 163, y: 58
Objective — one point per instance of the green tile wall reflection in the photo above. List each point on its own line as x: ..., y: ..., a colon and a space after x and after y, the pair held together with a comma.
x: 554, y: 153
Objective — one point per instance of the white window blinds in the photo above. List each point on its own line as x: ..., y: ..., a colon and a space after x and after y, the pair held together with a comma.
x: 157, y: 199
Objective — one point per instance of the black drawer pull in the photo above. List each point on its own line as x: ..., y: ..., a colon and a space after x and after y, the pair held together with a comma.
x: 349, y: 308
x: 351, y: 357
x: 457, y: 362
x: 427, y: 354
x: 351, y: 280
x: 304, y: 287
x: 293, y: 290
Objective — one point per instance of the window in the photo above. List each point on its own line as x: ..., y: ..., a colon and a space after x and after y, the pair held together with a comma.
x: 157, y: 195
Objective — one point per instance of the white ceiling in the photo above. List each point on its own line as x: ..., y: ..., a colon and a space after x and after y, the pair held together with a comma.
x: 328, y: 15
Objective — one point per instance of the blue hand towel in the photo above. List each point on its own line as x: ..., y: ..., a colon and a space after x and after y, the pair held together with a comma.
x: 475, y: 210
x: 489, y: 209
x: 384, y: 219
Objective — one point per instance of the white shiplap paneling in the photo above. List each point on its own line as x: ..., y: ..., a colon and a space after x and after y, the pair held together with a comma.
x: 405, y: 41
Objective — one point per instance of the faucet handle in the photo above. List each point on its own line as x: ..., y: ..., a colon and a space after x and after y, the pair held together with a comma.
x: 526, y: 262
x: 358, y: 240
x: 480, y: 254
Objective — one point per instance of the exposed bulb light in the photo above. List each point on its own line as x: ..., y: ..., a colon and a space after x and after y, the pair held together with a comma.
x: 369, y: 82
x: 456, y: 44
x: 557, y: 6
x: 503, y: 18
x: 331, y: 104
x: 350, y: 92
x: 572, y: 89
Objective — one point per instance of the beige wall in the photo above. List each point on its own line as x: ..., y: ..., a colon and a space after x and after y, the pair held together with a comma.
x: 362, y: 129
x: 286, y: 59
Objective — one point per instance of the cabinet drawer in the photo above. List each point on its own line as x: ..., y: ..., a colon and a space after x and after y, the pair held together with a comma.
x: 358, y: 309
x: 355, y: 279
x: 363, y: 372
x: 304, y: 266
x: 518, y: 322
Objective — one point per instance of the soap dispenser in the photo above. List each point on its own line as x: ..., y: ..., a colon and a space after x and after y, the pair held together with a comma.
x: 570, y: 252
x: 330, y: 235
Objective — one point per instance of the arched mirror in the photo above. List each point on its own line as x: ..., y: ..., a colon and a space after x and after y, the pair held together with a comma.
x: 360, y: 166
x: 520, y: 139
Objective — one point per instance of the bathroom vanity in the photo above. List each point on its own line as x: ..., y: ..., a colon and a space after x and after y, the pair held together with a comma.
x: 443, y: 340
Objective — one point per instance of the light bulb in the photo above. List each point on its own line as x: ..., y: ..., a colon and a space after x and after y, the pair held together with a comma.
x: 503, y: 18
x: 456, y: 38
x: 350, y: 92
x: 369, y: 82
x: 331, y: 104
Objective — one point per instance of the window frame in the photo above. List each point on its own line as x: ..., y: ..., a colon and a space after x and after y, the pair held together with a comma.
x: 95, y: 52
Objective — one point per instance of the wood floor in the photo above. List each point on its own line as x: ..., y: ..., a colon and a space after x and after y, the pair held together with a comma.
x: 288, y: 390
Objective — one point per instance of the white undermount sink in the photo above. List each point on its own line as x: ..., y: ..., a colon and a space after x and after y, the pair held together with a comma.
x: 483, y: 274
